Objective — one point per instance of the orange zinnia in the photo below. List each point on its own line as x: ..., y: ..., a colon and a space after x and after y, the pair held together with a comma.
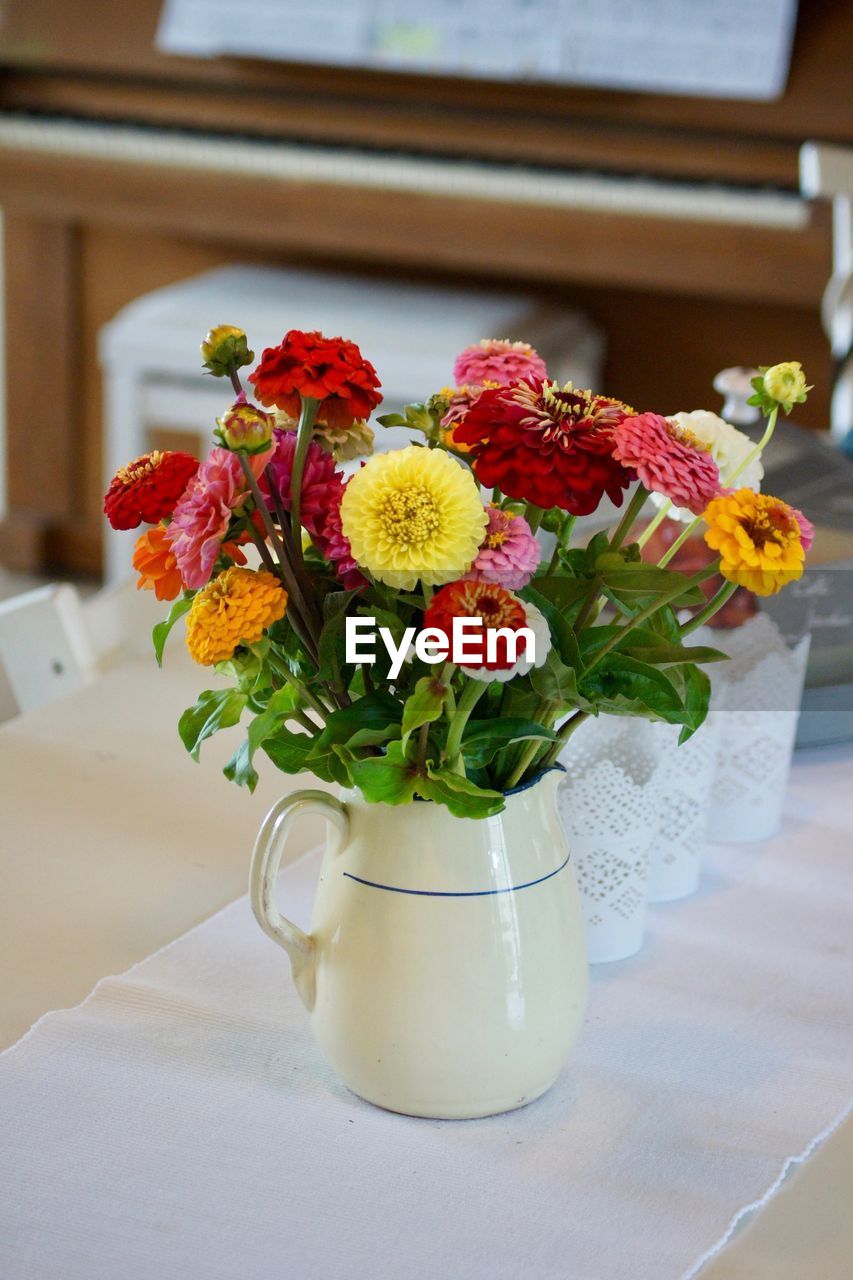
x: 155, y: 562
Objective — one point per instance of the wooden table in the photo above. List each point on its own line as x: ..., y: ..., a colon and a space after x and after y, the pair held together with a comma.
x: 116, y: 842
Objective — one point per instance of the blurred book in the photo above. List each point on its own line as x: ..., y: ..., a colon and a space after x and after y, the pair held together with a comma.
x: 717, y: 48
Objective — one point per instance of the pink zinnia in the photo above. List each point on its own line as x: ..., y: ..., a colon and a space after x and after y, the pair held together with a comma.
x: 335, y: 546
x: 500, y: 361
x: 668, y: 460
x: 322, y: 483
x: 459, y: 403
x: 202, y: 515
x: 806, y: 529
x: 510, y: 553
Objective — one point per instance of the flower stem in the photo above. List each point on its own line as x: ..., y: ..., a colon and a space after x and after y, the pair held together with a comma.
x: 674, y: 591
x: 420, y: 758
x: 468, y: 699
x: 290, y: 580
x: 564, y: 537
x: 446, y: 678
x: 304, y: 693
x: 533, y: 515
x: 633, y: 509
x: 679, y: 542
x: 757, y: 451
x: 564, y: 734
x: 654, y: 524
x: 520, y: 754
x: 713, y: 606
x: 235, y: 379
x: 303, y: 439
x: 589, y: 604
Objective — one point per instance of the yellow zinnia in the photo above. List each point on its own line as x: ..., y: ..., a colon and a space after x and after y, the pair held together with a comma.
x: 758, y: 538
x: 413, y: 515
x: 235, y: 608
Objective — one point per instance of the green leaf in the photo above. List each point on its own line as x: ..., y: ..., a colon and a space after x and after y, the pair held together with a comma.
x: 336, y: 603
x: 641, y: 579
x: 240, y: 768
x: 483, y: 739
x: 385, y: 618
x: 697, y: 697
x: 216, y: 709
x: 331, y: 647
x: 460, y: 795
x: 374, y: 711
x: 623, y: 686
x: 424, y: 705
x: 557, y: 682
x: 665, y: 654
x: 562, y: 592
x: 370, y: 737
x: 160, y: 634
x: 289, y: 751
x: 562, y: 634
x: 388, y: 779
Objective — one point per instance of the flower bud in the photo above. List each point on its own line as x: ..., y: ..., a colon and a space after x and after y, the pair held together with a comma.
x: 223, y: 347
x: 786, y: 383
x: 245, y: 428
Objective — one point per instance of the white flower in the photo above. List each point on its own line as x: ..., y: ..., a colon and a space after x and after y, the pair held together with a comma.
x: 542, y: 636
x: 727, y: 446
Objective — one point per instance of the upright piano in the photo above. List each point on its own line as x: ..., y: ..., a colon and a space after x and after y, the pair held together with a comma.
x: 675, y: 222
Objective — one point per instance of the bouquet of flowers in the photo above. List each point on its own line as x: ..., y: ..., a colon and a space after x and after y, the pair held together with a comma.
x: 401, y: 630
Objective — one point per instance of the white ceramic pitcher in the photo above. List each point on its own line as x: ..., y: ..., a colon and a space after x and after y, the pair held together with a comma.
x: 446, y: 970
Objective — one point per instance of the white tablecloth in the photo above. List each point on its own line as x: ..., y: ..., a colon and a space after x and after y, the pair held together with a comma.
x: 181, y: 1123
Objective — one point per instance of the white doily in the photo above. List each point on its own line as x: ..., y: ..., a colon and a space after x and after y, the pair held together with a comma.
x: 758, y: 696
x: 607, y: 806
x: 684, y: 777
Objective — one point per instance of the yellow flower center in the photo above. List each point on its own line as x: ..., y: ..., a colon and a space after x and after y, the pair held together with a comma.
x: 685, y: 436
x: 496, y: 539
x: 140, y: 468
x: 409, y: 516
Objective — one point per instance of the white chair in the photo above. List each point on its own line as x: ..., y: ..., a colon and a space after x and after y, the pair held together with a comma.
x: 45, y: 649
x: 119, y: 620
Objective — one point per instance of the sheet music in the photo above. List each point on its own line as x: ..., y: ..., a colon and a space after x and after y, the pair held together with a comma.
x: 706, y: 48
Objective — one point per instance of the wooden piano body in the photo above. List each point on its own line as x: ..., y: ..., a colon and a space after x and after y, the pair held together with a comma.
x: 673, y: 221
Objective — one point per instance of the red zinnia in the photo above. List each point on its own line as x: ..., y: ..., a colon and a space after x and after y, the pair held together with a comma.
x: 330, y: 370
x: 552, y: 447
x: 495, y: 605
x: 146, y: 490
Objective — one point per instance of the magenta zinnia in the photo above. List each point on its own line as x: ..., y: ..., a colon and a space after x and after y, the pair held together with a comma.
x: 334, y: 545
x: 547, y: 445
x: 668, y: 460
x: 322, y: 483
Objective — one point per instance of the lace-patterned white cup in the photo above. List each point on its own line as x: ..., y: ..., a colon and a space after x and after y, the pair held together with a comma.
x: 757, y: 693
x: 684, y: 779
x: 607, y: 805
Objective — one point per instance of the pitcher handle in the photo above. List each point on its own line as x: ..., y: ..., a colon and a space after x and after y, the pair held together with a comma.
x: 266, y: 861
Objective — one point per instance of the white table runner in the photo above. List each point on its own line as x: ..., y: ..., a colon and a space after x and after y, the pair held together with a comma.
x: 180, y: 1123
